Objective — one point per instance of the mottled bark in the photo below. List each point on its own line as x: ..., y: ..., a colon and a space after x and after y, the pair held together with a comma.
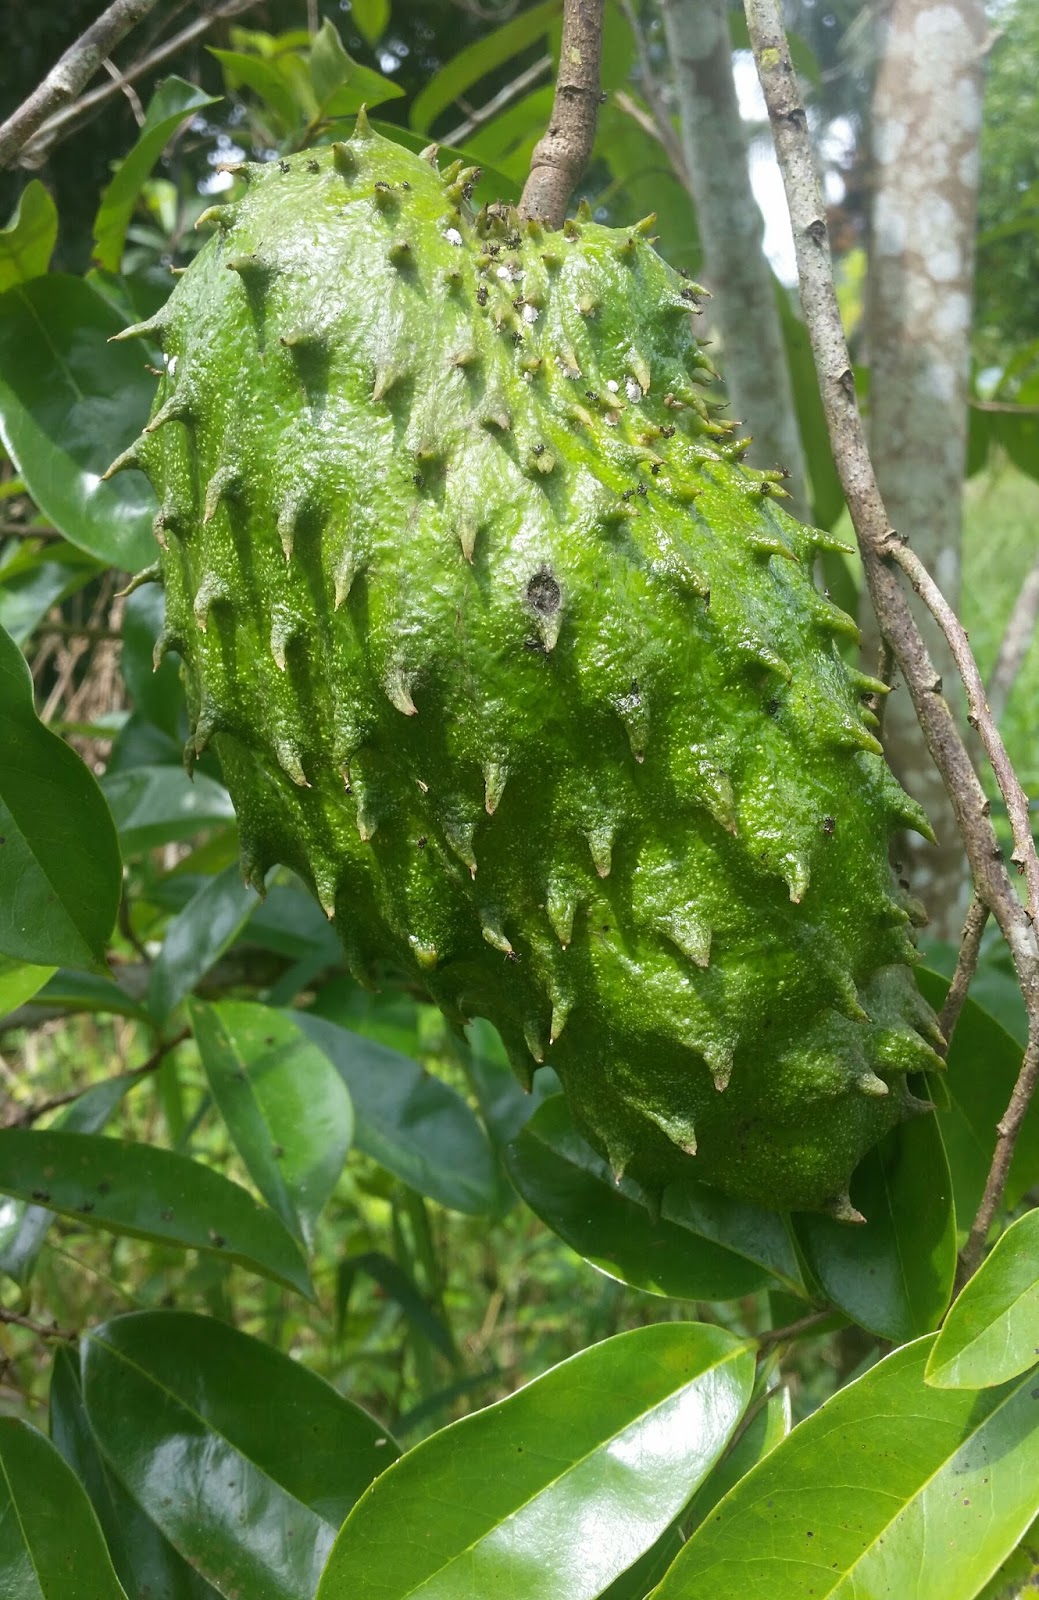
x: 743, y: 307
x: 926, y: 123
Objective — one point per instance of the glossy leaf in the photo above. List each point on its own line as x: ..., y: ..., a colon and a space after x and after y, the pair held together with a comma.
x: 198, y: 936
x: 477, y: 60
x: 411, y: 1123
x: 890, y: 1489
x: 50, y: 1543
x: 27, y: 243
x: 558, y: 1489
x: 146, y: 1562
x: 19, y: 981
x: 992, y: 1331
x: 149, y: 1193
x: 285, y: 1106
x: 1018, y: 1576
x: 263, y: 78
x: 69, y: 403
x: 172, y: 102
x: 983, y: 1064
x: 157, y: 805
x: 244, y: 1459
x: 571, y: 1189
x: 60, y: 874
x: 24, y: 1227
x: 893, y: 1274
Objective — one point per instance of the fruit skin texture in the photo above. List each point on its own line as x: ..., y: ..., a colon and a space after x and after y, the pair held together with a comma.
x: 506, y: 655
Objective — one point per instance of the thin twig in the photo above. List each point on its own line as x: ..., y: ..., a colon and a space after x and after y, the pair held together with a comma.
x: 1015, y: 643
x: 966, y: 966
x: 32, y: 1113
x: 561, y: 154
x: 128, y: 89
x: 793, y: 1330
x: 837, y: 385
x: 70, y: 74
x: 59, y: 126
x: 661, y: 126
x: 42, y: 1329
x: 483, y: 114
x: 1009, y: 406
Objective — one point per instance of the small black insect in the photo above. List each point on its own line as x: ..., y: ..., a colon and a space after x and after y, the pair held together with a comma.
x: 829, y: 824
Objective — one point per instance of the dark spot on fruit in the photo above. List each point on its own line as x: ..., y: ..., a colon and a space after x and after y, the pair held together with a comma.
x: 772, y: 707
x: 422, y: 841
x: 43, y: 1195
x: 669, y: 431
x: 543, y: 593
x: 481, y: 295
x: 641, y: 489
x: 312, y: 166
x: 655, y: 468
x: 217, y: 1239
x: 86, y: 1206
x: 829, y: 824
x: 283, y: 166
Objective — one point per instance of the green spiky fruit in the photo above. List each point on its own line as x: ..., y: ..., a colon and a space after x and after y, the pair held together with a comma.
x: 504, y: 652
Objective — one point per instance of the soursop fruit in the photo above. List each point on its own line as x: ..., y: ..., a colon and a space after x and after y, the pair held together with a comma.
x: 507, y: 655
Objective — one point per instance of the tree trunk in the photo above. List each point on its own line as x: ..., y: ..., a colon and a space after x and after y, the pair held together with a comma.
x: 743, y: 306
x: 926, y: 124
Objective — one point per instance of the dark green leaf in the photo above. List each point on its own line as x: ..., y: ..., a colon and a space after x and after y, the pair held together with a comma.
x: 558, y: 1489
x: 477, y: 60
x: 285, y: 1106
x: 992, y: 1331
x: 172, y: 102
x: 399, y: 1286
x: 69, y: 403
x: 198, y: 936
x: 766, y: 1428
x: 246, y: 1461
x: 23, y: 1227
x: 893, y: 1274
x: 19, y: 981
x: 889, y: 1489
x: 27, y: 243
x: 84, y: 991
x: 51, y: 1547
x: 157, y: 805
x: 148, y: 1193
x: 146, y: 1562
x: 157, y: 694
x: 411, y: 1123
x: 983, y: 1064
x: 60, y: 874
x: 571, y: 1189
x: 36, y: 579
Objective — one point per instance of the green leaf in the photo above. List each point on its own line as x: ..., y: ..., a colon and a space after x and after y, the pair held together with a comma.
x: 983, y: 1064
x: 680, y: 1253
x: 69, y: 403
x: 1018, y: 1574
x: 60, y: 873
x: 157, y: 805
x: 477, y: 60
x: 410, y: 1122
x: 50, y: 1541
x: 33, y: 580
x: 156, y: 694
x: 894, y: 1274
x: 992, y: 1330
x: 398, y: 1285
x: 341, y: 85
x: 246, y: 1461
x: 263, y: 79
x: 27, y: 243
x: 285, y: 1106
x: 198, y: 936
x: 889, y: 1489
x: 24, y: 1227
x: 19, y: 981
x: 85, y: 991
x: 144, y: 1559
x: 149, y: 1193
x: 370, y: 17
x: 170, y: 104
x: 558, y: 1489
x: 763, y: 1430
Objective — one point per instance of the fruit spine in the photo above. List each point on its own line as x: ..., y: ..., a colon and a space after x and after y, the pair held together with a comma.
x: 505, y: 653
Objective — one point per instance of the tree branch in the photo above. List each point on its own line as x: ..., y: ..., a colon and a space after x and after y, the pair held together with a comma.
x: 561, y: 155
x: 1015, y: 643
x: 966, y: 966
x: 819, y: 303
x: 44, y: 1330
x: 58, y: 126
x: 70, y: 74
x: 32, y: 1113
x: 483, y: 114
